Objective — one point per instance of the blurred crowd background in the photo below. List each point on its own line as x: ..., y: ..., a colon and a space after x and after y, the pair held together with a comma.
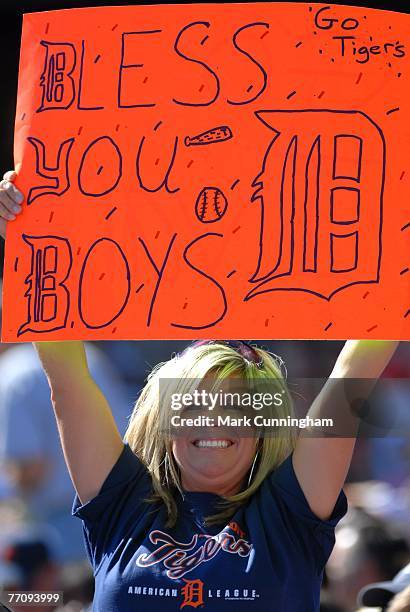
x: 41, y: 545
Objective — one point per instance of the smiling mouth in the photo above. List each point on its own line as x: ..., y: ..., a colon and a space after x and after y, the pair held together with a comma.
x: 216, y: 444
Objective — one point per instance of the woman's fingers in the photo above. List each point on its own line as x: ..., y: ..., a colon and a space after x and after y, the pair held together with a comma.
x: 11, y: 175
x: 8, y: 207
x: 10, y: 197
x: 5, y: 213
x: 10, y: 201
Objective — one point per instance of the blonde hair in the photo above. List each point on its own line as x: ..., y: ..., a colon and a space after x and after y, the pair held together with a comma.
x: 147, y: 431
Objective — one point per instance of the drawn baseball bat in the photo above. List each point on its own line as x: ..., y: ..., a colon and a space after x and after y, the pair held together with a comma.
x: 218, y: 134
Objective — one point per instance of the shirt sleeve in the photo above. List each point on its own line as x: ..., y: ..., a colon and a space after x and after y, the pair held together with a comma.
x: 122, y: 499
x: 315, y: 536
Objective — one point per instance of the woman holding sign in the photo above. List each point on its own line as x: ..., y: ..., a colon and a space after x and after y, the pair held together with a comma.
x: 207, y: 516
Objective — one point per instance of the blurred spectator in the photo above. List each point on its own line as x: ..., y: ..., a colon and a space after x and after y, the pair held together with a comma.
x: 28, y: 562
x: 29, y: 445
x: 367, y: 550
x: 382, y: 500
x: 394, y: 593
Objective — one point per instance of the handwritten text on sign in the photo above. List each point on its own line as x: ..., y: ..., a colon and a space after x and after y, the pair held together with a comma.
x: 212, y: 170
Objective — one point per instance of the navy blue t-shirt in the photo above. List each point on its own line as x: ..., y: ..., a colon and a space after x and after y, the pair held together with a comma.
x: 269, y: 557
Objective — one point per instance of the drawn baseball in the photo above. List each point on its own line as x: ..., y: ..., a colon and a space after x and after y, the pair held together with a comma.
x: 211, y: 205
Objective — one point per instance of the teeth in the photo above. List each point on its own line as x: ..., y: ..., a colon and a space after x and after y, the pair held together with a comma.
x: 213, y: 443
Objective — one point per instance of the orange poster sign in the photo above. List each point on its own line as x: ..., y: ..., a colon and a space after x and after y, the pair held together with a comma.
x: 212, y: 170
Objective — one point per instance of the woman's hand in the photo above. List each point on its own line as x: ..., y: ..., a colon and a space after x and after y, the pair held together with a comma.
x: 11, y: 200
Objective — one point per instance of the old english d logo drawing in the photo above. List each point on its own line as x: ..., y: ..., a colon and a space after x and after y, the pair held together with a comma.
x: 321, y: 195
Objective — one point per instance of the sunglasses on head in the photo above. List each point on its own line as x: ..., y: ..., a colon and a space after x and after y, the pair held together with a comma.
x: 244, y: 349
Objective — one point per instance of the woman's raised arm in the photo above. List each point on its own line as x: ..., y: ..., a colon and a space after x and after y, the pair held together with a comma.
x: 89, y: 436
x: 321, y: 462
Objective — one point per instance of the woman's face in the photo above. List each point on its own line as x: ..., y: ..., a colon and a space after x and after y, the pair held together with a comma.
x: 214, y: 457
